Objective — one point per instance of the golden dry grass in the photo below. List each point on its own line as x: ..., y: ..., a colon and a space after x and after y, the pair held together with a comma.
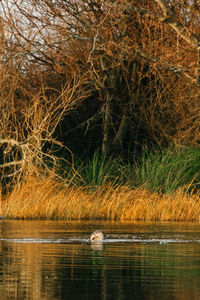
x: 47, y: 198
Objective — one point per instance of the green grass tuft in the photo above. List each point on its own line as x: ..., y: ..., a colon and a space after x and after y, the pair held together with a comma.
x: 158, y: 171
x: 168, y: 170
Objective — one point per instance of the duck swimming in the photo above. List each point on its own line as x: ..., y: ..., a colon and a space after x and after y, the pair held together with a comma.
x: 97, y: 235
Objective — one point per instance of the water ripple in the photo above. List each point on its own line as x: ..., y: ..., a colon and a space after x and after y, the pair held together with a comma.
x: 106, y: 241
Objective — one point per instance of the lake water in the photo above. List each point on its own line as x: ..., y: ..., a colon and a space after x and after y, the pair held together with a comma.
x: 46, y: 260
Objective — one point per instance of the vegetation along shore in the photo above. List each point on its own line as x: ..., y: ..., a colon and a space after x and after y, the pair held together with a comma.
x: 100, y: 110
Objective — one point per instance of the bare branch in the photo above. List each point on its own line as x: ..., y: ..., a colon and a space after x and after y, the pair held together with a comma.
x: 171, y: 19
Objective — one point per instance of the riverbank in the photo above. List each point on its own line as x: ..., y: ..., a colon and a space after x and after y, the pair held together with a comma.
x: 48, y: 198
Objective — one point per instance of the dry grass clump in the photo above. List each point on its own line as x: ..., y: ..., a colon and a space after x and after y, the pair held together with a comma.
x: 47, y: 198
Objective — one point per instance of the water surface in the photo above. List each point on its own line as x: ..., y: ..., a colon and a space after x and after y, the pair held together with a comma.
x: 56, y: 260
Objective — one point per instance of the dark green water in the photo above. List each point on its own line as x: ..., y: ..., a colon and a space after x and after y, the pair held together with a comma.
x: 55, y: 260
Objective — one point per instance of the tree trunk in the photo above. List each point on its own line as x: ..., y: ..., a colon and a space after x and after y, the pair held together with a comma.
x: 106, y: 122
x: 122, y: 130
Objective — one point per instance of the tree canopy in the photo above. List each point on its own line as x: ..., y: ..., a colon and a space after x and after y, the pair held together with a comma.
x: 109, y: 74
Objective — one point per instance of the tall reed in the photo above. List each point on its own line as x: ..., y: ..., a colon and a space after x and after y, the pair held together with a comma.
x: 47, y: 198
x: 160, y: 186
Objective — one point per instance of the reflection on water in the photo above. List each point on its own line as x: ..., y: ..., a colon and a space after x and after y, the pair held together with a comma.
x: 56, y: 260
